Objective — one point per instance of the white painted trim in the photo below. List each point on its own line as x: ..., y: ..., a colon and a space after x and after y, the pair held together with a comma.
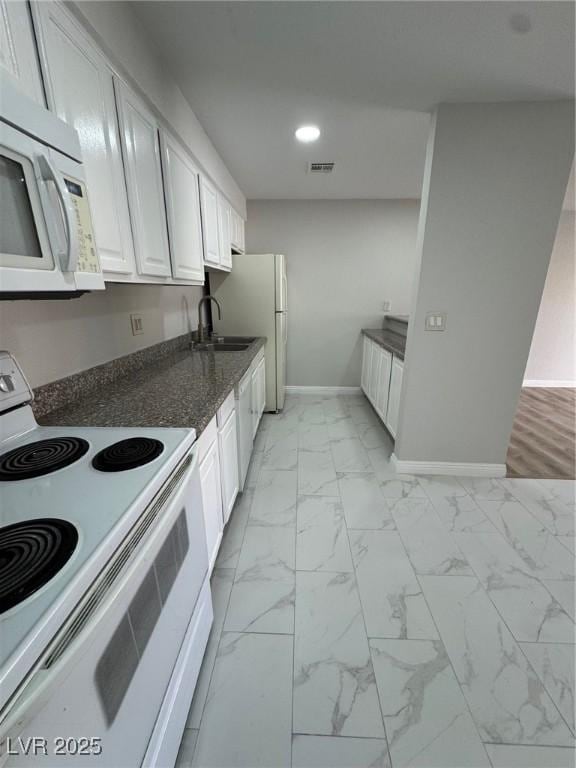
x: 549, y: 383
x: 292, y: 390
x: 461, y: 469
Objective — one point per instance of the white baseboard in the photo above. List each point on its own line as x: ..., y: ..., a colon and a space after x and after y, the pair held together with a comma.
x: 291, y: 390
x: 461, y: 469
x: 549, y: 383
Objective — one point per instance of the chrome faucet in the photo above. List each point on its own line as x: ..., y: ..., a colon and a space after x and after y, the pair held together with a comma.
x: 201, y: 329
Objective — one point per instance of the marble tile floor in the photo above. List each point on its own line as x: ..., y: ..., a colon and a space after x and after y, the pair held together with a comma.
x: 368, y: 619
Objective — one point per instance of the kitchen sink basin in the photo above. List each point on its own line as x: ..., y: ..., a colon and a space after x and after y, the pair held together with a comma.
x: 221, y: 347
x: 234, y: 340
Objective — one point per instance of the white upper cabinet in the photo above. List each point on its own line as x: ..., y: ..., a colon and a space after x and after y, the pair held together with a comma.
x: 141, y: 151
x: 237, y: 231
x: 80, y: 91
x: 210, y: 233
x: 18, y: 49
x: 182, y: 190
x: 216, y: 227
x: 224, y: 231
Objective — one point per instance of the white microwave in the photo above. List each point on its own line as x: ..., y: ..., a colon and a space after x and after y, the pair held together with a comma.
x: 47, y: 243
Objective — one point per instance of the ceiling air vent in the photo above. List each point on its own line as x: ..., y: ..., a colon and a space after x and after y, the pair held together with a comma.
x: 320, y: 167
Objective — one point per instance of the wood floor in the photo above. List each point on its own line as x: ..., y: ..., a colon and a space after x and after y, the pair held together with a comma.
x: 544, y: 435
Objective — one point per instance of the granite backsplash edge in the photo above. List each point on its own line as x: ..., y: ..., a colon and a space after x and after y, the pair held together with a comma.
x: 58, y: 394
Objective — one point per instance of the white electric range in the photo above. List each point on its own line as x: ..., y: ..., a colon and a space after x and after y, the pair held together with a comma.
x: 105, y: 604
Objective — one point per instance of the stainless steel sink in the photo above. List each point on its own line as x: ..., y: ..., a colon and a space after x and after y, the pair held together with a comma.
x: 220, y: 347
x: 234, y: 339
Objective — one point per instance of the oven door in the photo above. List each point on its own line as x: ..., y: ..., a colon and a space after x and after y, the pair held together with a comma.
x: 39, y: 244
x: 96, y: 695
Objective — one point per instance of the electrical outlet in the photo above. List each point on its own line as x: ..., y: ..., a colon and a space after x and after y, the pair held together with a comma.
x: 137, y: 325
x: 387, y: 306
x: 435, y: 321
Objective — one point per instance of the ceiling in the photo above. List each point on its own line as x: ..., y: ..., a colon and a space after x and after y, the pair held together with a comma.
x: 367, y: 73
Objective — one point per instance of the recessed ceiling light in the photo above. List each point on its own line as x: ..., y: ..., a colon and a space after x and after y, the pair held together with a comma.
x: 307, y: 133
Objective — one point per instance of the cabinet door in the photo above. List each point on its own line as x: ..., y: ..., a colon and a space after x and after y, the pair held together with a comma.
x: 210, y: 234
x: 80, y: 91
x: 234, y: 228
x: 375, y: 370
x: 141, y: 151
x: 227, y: 440
x: 262, y: 388
x: 237, y: 231
x: 241, y: 234
x: 212, y: 500
x: 245, y: 425
x: 224, y: 232
x: 383, y: 384
x: 255, y: 400
x: 18, y: 49
x: 365, y: 376
x: 181, y: 185
x: 394, y: 396
x: 372, y: 374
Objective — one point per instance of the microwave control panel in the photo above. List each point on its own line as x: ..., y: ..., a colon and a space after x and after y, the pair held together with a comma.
x: 87, y: 253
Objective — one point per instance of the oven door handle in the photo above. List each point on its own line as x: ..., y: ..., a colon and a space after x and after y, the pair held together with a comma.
x: 35, y: 690
x: 48, y: 173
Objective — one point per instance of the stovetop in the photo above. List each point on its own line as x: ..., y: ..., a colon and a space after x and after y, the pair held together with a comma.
x: 87, y: 504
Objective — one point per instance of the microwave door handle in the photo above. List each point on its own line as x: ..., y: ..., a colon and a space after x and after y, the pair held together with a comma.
x: 68, y: 259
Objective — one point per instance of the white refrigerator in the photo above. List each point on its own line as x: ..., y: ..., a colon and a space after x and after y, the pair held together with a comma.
x: 253, y: 298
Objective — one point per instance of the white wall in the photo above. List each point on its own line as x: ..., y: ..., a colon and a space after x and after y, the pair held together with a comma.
x: 123, y: 37
x: 344, y: 258
x: 553, y: 352
x: 53, y: 339
x: 493, y: 188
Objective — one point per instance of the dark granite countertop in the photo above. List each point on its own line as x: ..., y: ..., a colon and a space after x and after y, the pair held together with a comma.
x: 182, y: 389
x: 393, y: 342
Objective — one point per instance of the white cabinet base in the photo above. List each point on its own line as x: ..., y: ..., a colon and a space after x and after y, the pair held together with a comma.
x: 381, y: 382
x: 228, y: 447
x: 210, y: 483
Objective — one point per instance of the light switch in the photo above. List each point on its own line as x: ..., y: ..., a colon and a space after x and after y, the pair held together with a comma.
x: 435, y: 321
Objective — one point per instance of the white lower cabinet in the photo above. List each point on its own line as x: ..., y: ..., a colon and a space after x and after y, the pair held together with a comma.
x: 366, y: 352
x: 381, y: 382
x: 224, y: 451
x: 245, y: 425
x: 209, y: 458
x: 261, y: 388
x: 394, y: 397
x: 382, y: 387
x: 228, y: 447
x: 258, y: 393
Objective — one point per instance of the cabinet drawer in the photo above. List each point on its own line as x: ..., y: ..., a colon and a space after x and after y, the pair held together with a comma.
x: 225, y: 409
x: 206, y: 439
